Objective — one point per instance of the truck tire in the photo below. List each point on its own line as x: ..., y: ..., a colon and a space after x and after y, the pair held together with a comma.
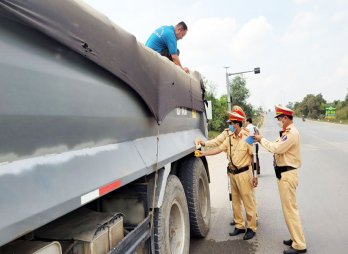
x: 194, y: 179
x: 171, y: 221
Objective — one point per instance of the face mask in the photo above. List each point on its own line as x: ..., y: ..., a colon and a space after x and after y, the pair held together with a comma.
x: 231, y: 127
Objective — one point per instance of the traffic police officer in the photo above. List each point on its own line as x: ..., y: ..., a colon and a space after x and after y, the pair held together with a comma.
x: 218, y: 140
x: 286, y: 150
x: 239, y: 153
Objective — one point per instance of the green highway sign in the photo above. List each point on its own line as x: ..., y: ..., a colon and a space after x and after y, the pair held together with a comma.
x: 330, y: 112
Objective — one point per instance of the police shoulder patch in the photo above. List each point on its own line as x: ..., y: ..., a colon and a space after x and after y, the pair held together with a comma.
x: 284, y: 138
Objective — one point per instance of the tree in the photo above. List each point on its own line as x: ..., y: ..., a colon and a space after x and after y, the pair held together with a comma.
x: 219, y: 107
x: 312, y: 106
x: 240, y: 93
x: 345, y: 103
x: 210, y: 89
x: 342, y: 109
x: 219, y: 113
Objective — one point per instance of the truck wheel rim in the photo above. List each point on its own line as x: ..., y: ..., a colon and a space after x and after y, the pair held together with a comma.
x: 203, y: 199
x: 176, y: 228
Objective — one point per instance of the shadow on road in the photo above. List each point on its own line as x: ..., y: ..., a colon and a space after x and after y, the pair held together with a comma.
x: 239, y: 246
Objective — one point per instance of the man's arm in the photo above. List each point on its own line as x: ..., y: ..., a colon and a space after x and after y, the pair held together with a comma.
x: 277, y: 147
x: 216, y: 141
x: 209, y: 152
x: 176, y: 60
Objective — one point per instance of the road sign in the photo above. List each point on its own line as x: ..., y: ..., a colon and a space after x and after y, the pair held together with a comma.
x: 330, y: 113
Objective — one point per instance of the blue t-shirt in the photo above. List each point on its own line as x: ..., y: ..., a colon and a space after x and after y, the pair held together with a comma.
x: 161, y: 38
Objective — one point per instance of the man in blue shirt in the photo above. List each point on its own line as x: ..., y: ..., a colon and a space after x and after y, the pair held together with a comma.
x: 164, y: 41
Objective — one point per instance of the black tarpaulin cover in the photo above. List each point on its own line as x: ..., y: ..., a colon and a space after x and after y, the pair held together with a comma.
x: 162, y: 85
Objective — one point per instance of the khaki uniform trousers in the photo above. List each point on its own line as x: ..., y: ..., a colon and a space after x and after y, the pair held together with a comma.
x: 254, y: 197
x: 287, y: 186
x: 242, y: 191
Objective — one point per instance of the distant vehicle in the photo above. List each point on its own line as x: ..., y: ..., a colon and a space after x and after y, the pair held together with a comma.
x: 97, y: 137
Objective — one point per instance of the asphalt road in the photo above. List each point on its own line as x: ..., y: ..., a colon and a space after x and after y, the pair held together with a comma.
x: 322, y: 196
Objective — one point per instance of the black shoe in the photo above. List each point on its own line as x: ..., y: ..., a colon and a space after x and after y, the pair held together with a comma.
x: 237, y: 231
x: 288, y: 242
x: 249, y: 234
x: 232, y: 223
x: 291, y: 250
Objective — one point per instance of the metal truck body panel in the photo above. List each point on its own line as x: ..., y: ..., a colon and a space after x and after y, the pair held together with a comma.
x: 91, y: 34
x: 68, y: 128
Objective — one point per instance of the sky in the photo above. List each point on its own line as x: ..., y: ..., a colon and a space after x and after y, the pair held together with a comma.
x: 301, y: 46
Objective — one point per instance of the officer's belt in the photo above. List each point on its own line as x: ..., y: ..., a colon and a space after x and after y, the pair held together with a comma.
x: 280, y: 169
x: 236, y: 171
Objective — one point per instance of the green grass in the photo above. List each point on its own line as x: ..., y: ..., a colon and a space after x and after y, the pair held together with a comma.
x: 213, y: 134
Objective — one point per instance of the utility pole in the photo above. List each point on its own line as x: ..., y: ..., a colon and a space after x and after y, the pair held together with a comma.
x: 229, y: 95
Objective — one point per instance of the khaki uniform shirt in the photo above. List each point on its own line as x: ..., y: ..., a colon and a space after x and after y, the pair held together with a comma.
x: 216, y: 142
x: 286, y: 148
x: 240, y: 150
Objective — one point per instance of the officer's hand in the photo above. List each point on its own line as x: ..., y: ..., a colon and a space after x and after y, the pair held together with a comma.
x: 255, y: 182
x: 199, y: 153
x: 199, y: 143
x: 257, y: 137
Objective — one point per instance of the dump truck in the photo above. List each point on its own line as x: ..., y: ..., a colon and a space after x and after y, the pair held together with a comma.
x: 96, y: 137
